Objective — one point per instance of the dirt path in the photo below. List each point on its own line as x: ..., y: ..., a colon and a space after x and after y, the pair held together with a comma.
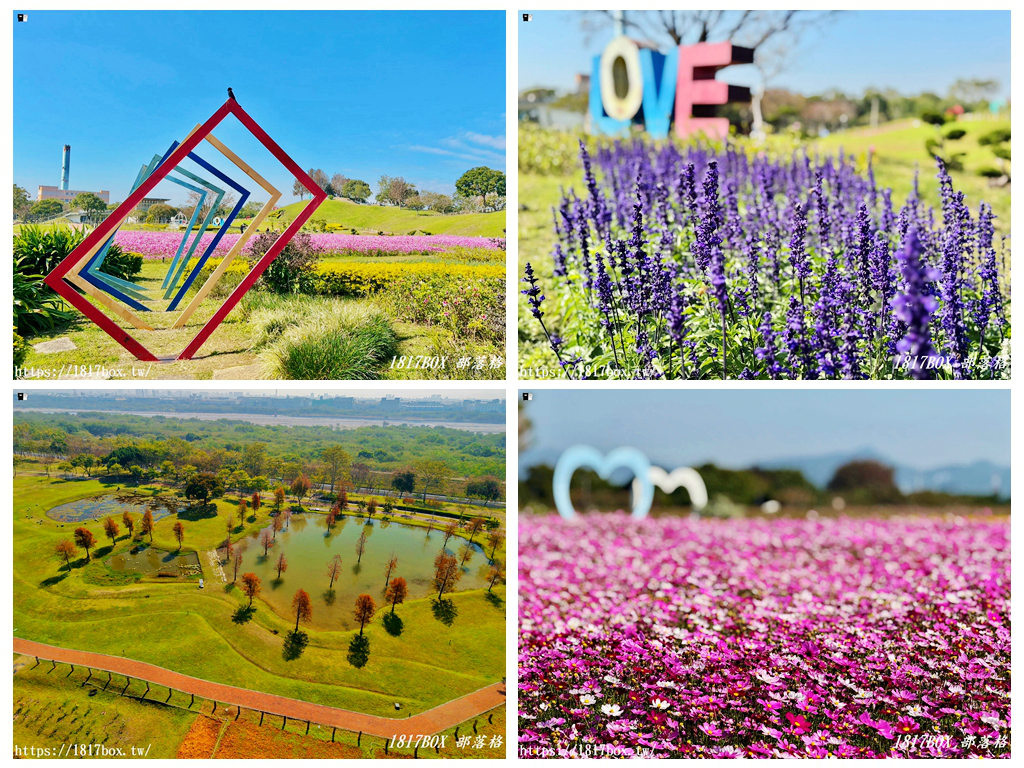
x: 439, y: 718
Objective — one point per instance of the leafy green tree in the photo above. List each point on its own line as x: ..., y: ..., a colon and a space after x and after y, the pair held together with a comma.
x: 203, y: 486
x: 356, y: 189
x: 89, y: 202
x: 404, y: 481
x: 254, y: 458
x: 481, y: 181
x: 159, y: 213
x: 250, y: 209
x: 336, y: 461
x: 45, y: 209
x: 240, y: 481
x: 432, y: 474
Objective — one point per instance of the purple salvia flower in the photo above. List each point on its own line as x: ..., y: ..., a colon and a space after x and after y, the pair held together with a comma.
x: 914, y: 306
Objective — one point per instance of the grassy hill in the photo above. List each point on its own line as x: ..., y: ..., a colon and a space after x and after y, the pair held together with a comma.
x: 899, y: 149
x: 369, y: 219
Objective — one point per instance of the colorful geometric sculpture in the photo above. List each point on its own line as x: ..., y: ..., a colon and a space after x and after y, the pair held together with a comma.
x: 72, y: 272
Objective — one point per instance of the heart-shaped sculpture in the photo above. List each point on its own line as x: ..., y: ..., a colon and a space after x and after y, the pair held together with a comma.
x: 680, y: 477
x: 585, y: 457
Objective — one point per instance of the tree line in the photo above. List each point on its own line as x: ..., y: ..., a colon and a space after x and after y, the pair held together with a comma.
x: 478, y: 189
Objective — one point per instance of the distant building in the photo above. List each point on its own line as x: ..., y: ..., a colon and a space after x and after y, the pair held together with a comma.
x: 149, y: 202
x: 67, y: 195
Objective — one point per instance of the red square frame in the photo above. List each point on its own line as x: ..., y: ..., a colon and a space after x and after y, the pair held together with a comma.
x: 56, y: 277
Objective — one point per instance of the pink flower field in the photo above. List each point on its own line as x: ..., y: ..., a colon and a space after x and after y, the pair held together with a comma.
x: 161, y: 245
x: 848, y: 637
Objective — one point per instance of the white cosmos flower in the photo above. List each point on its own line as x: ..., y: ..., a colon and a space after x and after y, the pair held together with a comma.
x: 660, y: 704
x: 586, y: 700
x: 612, y: 710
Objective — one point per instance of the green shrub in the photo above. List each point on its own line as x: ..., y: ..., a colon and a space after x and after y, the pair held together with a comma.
x: 955, y: 133
x: 284, y: 273
x: 38, y: 250
x: 21, y: 348
x: 122, y: 264
x: 996, y: 136
x: 232, y: 276
x: 465, y: 307
x: 337, y: 352
x: 990, y: 172
x: 933, y: 118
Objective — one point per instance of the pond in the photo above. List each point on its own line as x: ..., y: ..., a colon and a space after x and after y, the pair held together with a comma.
x: 149, y: 561
x: 97, y: 507
x: 308, y: 549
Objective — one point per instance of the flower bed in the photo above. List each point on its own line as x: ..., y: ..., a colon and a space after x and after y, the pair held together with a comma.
x: 161, y: 245
x: 710, y: 638
x: 698, y: 262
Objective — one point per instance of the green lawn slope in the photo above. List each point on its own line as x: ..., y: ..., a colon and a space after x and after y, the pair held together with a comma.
x: 370, y: 219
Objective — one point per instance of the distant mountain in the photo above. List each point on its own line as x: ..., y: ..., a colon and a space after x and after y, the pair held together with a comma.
x: 978, y: 478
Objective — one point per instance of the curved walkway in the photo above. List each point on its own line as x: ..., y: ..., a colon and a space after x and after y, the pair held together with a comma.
x: 440, y: 718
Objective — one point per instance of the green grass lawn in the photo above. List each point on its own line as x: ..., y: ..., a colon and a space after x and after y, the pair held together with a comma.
x: 191, y: 631
x: 370, y: 219
x: 52, y: 708
x: 898, y: 149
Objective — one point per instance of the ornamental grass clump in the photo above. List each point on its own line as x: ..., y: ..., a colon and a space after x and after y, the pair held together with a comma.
x: 844, y: 637
x: 696, y: 262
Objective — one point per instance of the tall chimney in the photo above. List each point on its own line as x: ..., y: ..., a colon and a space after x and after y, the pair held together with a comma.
x: 65, y: 167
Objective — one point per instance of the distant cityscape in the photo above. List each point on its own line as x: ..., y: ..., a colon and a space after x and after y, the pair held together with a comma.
x: 276, y: 403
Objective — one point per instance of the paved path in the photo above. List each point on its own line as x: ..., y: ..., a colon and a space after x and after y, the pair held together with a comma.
x: 447, y: 715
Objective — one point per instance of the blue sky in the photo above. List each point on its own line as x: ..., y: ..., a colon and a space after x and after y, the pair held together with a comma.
x: 421, y: 95
x: 910, y: 51
x: 740, y: 428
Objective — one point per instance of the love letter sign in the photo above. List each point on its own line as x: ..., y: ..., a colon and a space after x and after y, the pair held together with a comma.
x: 629, y: 81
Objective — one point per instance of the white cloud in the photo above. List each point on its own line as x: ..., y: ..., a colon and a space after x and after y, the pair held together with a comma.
x: 475, y: 147
x: 495, y: 142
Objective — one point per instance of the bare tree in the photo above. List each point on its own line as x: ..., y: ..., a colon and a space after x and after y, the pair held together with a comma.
x: 337, y: 182
x: 748, y: 28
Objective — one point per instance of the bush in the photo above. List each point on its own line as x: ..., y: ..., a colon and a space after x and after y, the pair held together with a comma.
x: 38, y: 250
x: 232, y: 276
x: 933, y: 118
x: 284, y: 272
x: 118, y: 263
x: 465, y: 307
x: 338, y: 353
x: 37, y: 307
x: 997, y: 136
x: 955, y: 133
x: 20, y: 349
x: 989, y: 172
